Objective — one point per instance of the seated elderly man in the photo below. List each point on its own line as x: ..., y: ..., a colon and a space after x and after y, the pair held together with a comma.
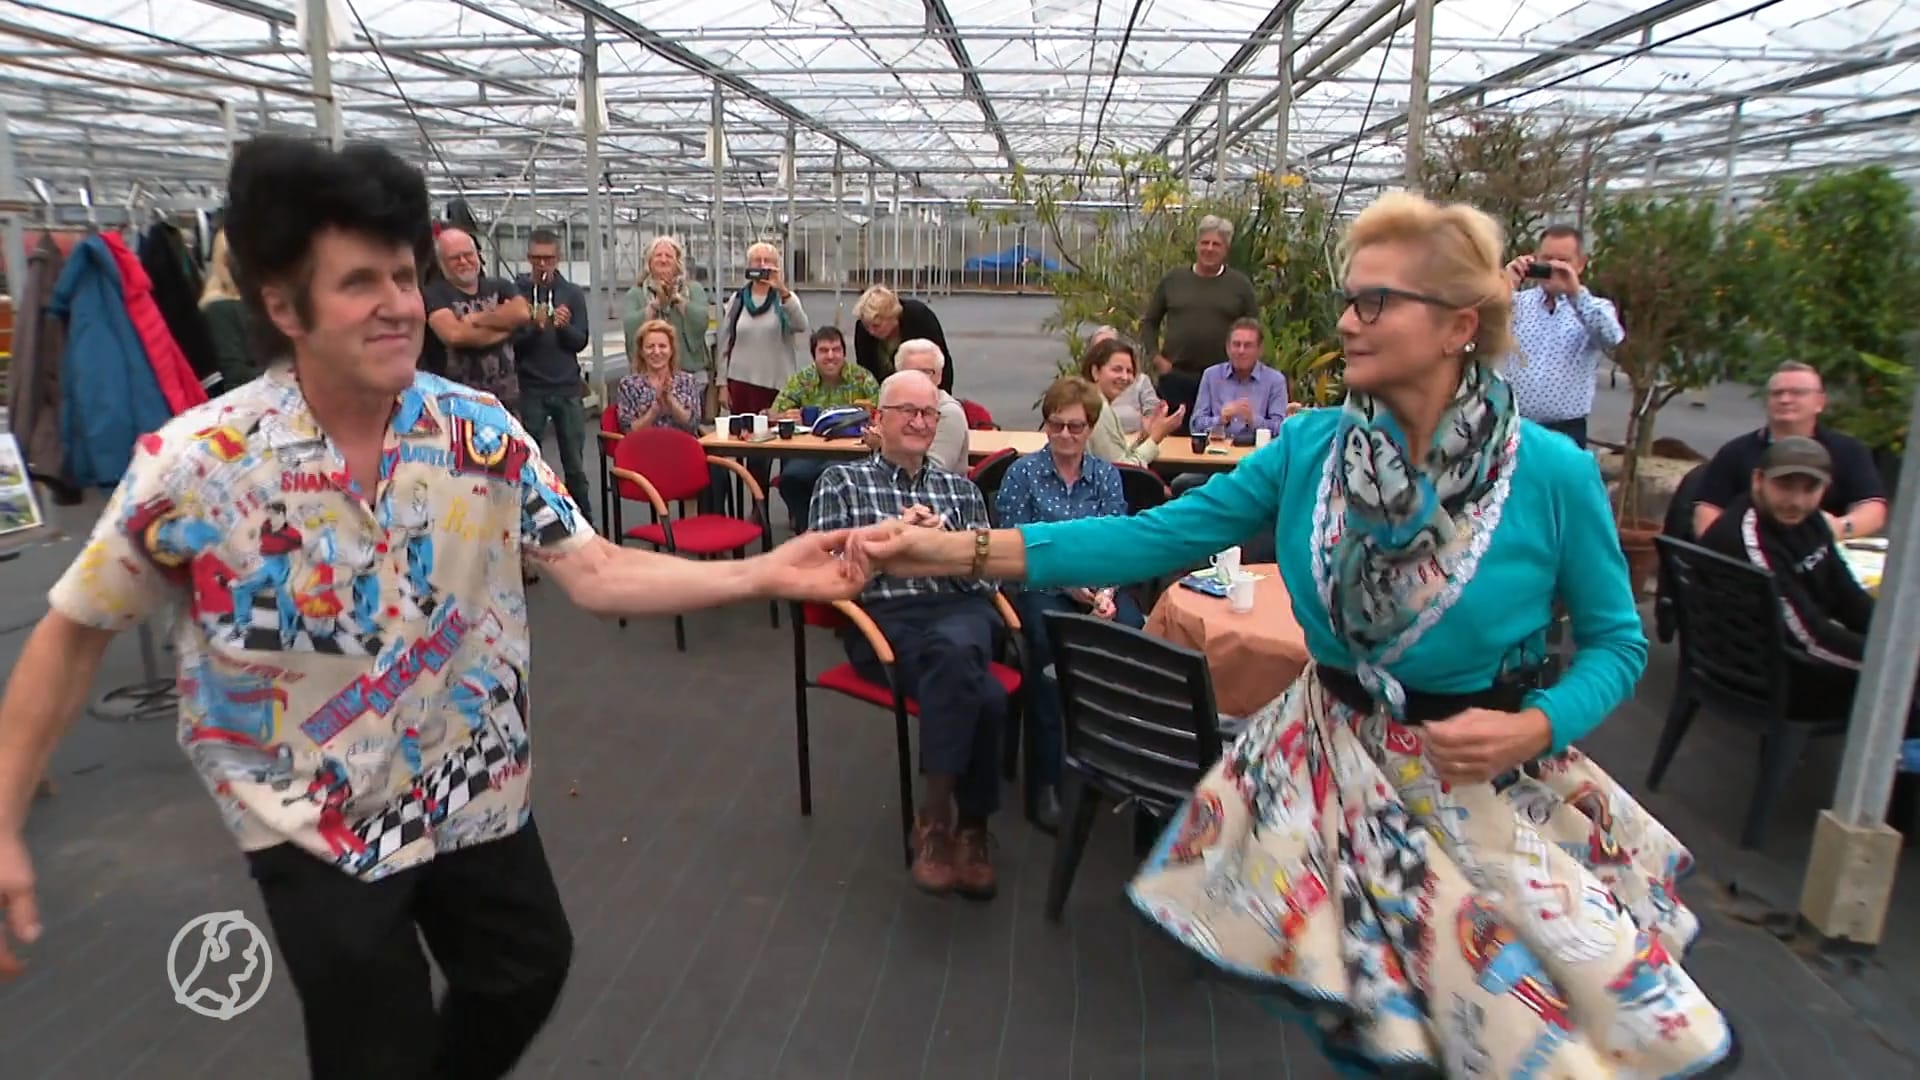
x: 949, y: 450
x: 942, y: 631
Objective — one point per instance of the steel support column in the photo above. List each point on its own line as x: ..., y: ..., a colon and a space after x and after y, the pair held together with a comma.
x: 839, y: 232
x: 790, y: 181
x: 602, y: 310
x: 718, y: 159
x: 326, y: 109
x: 1283, y: 105
x: 1418, y: 92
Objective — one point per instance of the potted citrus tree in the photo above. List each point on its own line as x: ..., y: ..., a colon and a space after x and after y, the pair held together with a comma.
x: 1672, y: 267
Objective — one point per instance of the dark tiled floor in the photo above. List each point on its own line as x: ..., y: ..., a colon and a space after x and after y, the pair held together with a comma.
x: 721, y: 935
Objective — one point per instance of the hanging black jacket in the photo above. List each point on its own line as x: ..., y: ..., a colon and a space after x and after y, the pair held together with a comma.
x: 1826, y: 609
x: 176, y: 291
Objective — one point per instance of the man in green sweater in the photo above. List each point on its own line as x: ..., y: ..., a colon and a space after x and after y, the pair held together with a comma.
x: 1192, y: 310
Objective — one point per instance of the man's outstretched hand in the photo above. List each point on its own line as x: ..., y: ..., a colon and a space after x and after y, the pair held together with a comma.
x: 19, y: 920
x: 813, y: 567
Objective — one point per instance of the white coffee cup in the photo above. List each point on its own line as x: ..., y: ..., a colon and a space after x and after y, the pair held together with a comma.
x: 759, y: 423
x: 1240, y: 593
x: 1261, y: 437
x: 1227, y: 563
x: 723, y: 425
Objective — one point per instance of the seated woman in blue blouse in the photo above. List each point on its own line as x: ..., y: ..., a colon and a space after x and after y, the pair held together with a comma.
x: 1061, y: 483
x: 1404, y: 847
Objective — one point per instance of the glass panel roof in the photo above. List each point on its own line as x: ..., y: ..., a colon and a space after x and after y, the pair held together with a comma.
x: 948, y: 96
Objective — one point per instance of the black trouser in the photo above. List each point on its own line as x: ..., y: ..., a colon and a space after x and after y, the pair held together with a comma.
x: 1572, y: 429
x: 941, y: 647
x: 490, y: 914
x: 1178, y: 388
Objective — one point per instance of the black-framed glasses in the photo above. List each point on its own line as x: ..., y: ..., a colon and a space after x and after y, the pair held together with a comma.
x: 928, y: 414
x: 1071, y: 427
x: 1368, y: 304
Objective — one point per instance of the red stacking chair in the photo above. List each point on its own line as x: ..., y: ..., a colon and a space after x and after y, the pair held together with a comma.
x: 843, y: 679
x: 978, y: 418
x: 609, y: 437
x: 660, y: 466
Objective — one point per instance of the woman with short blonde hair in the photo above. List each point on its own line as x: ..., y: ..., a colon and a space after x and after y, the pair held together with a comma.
x: 883, y: 319
x: 1415, y: 794
x: 665, y: 291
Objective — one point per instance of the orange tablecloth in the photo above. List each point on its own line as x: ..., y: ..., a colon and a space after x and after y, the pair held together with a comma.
x: 1253, y: 657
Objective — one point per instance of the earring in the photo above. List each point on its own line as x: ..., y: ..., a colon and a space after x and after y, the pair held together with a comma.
x: 1468, y: 348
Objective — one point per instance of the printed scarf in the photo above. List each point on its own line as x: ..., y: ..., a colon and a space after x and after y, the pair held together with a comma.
x: 1401, y: 517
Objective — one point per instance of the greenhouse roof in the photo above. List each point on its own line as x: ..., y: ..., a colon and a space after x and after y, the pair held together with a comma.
x: 944, y: 98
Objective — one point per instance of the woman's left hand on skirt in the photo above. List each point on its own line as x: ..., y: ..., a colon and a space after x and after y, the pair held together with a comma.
x: 1477, y: 745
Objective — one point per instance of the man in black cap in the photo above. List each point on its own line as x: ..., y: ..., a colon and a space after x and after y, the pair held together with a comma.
x: 1777, y: 526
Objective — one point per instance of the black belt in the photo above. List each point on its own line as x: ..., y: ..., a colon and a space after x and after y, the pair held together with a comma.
x: 1507, y: 695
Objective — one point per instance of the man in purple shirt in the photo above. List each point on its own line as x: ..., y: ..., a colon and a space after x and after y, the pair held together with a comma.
x: 1243, y: 393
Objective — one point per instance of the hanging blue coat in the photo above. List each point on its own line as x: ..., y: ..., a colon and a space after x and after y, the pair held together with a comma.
x: 108, y: 394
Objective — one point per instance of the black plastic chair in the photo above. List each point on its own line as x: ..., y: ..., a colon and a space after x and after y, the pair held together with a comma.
x: 1736, y: 657
x: 1679, y: 525
x: 1143, y: 487
x: 1140, y: 727
x: 988, y: 474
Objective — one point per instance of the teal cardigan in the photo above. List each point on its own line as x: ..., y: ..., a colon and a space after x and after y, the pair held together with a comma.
x: 1556, y: 537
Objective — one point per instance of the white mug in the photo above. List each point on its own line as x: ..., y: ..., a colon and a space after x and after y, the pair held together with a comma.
x: 759, y: 423
x: 1240, y: 593
x: 723, y: 425
x: 1261, y: 437
x: 1227, y: 563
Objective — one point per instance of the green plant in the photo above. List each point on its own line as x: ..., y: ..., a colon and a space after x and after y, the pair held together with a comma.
x: 1142, y: 220
x: 1518, y: 168
x: 1671, y: 269
x: 1840, y: 254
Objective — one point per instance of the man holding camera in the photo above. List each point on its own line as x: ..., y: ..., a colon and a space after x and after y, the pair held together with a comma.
x: 1561, y: 331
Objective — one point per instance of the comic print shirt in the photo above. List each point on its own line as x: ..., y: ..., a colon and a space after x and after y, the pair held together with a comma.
x: 353, y: 665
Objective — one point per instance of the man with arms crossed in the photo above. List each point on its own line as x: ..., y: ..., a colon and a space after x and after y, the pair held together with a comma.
x: 361, y: 723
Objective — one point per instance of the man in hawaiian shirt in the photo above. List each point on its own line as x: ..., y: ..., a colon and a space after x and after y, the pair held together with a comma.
x: 373, y: 763
x: 827, y: 383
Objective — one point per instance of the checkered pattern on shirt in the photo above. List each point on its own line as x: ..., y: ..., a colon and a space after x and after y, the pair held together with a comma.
x: 858, y: 493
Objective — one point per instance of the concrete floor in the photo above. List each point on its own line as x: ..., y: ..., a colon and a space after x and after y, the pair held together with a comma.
x: 722, y: 935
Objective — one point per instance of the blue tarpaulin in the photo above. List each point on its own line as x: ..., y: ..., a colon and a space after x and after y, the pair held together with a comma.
x: 1013, y: 258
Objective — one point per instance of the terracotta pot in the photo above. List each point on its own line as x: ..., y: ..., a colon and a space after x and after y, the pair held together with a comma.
x: 1643, y: 560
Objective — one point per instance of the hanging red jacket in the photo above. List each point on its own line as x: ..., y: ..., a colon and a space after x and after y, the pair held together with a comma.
x: 170, y: 368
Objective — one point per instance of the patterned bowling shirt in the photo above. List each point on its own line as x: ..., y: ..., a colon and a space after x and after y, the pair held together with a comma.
x: 353, y: 667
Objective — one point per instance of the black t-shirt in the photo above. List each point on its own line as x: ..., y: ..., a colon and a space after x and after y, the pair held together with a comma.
x: 1855, y: 477
x: 490, y: 369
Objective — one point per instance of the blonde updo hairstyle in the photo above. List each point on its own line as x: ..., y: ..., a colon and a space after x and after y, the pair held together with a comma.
x: 1461, y: 261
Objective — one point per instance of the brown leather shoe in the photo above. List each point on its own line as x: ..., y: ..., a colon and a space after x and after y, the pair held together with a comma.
x: 932, y: 857
x: 973, y: 875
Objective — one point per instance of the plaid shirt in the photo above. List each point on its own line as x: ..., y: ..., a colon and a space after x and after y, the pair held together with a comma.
x: 855, y: 494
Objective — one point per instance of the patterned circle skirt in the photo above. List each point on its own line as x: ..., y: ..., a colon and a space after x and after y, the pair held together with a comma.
x: 1522, y: 928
